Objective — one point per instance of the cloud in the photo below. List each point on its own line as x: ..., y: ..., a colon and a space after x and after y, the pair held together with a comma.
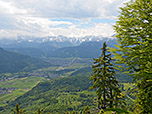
x: 57, y: 17
x: 104, y: 29
x: 66, y: 8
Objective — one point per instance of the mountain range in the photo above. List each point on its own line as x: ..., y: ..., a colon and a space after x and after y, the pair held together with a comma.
x: 55, y: 40
x: 61, y: 46
x: 26, y: 54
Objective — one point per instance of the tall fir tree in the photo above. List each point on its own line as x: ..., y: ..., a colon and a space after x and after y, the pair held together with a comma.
x: 134, y: 35
x: 86, y: 110
x: 39, y: 111
x: 104, y: 80
x: 18, y: 110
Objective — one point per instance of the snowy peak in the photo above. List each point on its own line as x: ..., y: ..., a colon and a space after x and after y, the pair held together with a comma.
x: 60, y: 38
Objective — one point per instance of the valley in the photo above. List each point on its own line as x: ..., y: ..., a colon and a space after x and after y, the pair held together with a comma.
x: 69, y: 82
x: 76, y: 57
x: 14, y: 85
x: 56, y: 83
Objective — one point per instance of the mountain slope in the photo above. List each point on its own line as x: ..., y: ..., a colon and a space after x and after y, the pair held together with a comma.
x: 34, y: 52
x: 84, y: 50
x: 14, y: 62
x: 59, y: 95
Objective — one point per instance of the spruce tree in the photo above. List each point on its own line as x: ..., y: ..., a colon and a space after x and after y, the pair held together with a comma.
x: 134, y: 35
x: 104, y: 80
x: 86, y: 110
x: 73, y: 112
x: 18, y: 110
x: 39, y: 111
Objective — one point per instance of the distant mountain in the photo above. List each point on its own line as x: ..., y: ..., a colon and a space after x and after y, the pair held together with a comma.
x: 57, y: 46
x: 59, y: 41
x: 84, y: 50
x: 13, y: 62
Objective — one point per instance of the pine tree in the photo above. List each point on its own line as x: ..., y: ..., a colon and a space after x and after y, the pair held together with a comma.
x: 67, y: 112
x: 134, y: 35
x: 86, y: 110
x: 73, y: 112
x: 104, y: 80
x: 18, y: 110
x: 39, y: 111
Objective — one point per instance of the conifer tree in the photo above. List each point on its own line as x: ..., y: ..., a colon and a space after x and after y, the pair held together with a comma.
x: 86, y: 110
x: 18, y: 110
x: 67, y: 112
x: 104, y: 80
x: 39, y: 111
x: 73, y: 112
x: 134, y: 35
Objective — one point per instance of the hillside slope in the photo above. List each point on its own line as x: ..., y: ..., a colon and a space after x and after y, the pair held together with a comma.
x: 84, y: 50
x: 56, y: 96
x: 14, y: 62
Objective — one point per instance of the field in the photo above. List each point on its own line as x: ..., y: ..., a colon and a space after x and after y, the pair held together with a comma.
x: 17, y: 87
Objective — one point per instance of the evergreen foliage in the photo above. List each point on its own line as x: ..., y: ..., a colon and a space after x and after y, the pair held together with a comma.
x: 39, y: 111
x: 104, y: 80
x: 86, y: 110
x: 18, y: 110
x: 134, y: 34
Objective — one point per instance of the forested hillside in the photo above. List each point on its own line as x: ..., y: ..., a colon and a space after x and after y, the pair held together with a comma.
x: 14, y: 62
x: 56, y: 96
x: 59, y: 95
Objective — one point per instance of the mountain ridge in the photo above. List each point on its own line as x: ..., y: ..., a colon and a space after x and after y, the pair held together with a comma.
x: 15, y: 62
x: 85, y: 49
x: 60, y: 38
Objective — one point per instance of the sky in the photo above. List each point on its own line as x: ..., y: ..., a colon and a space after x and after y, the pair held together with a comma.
x: 71, y: 18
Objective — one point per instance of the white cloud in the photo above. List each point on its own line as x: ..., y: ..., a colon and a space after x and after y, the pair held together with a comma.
x: 9, y: 8
x: 70, y: 8
x: 103, y: 29
x: 33, y: 17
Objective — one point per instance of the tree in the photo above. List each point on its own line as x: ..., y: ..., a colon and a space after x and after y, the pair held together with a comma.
x: 134, y: 35
x: 73, y: 112
x: 39, y: 111
x: 86, y: 110
x: 18, y: 110
x: 104, y: 80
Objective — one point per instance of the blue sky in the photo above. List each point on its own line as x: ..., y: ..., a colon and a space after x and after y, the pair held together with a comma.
x: 81, y: 24
x: 73, y: 18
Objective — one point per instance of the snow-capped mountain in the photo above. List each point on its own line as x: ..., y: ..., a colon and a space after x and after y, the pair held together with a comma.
x: 57, y: 46
x: 60, y: 38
